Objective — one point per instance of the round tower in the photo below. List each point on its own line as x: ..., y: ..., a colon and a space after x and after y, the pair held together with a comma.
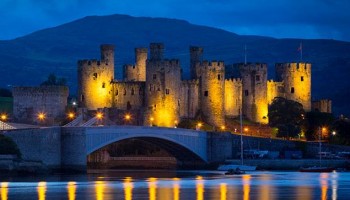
x: 296, y: 78
x: 196, y: 55
x: 254, y: 91
x: 163, y: 80
x: 212, y: 88
x: 140, y: 58
x: 94, y: 80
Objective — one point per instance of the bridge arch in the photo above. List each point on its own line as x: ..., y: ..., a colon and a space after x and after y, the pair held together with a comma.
x: 181, y: 143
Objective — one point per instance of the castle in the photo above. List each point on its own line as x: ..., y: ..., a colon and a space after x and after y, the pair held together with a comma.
x: 153, y: 88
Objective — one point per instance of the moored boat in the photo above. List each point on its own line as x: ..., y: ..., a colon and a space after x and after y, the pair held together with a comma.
x: 316, y: 169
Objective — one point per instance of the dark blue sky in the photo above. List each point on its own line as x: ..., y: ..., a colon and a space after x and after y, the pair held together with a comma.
x: 276, y: 18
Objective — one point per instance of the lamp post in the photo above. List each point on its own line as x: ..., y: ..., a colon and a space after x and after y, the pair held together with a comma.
x: 41, y: 117
x: 99, y: 117
x: 151, y: 119
x: 127, y: 118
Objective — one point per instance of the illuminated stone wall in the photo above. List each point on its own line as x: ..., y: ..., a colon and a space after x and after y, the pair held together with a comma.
x: 233, y: 97
x: 274, y: 89
x: 28, y: 102
x: 212, y: 89
x: 128, y: 95
x: 137, y: 72
x: 163, y: 80
x: 254, y: 80
x: 189, y: 98
x: 94, y: 80
x: 296, y: 78
x: 323, y: 105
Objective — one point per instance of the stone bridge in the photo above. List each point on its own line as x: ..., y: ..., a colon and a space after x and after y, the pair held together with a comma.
x: 68, y: 147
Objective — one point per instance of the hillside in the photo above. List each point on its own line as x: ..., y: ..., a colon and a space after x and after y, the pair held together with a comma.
x: 28, y: 60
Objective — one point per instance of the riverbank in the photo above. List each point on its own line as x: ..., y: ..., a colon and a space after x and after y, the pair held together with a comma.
x: 288, y: 164
x: 11, y: 164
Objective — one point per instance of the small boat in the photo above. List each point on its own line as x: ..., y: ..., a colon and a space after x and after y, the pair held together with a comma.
x: 316, y: 169
x: 237, y: 171
x: 228, y: 167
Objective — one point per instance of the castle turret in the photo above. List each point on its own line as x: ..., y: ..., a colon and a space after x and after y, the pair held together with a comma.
x: 212, y: 88
x: 156, y: 51
x: 233, y: 96
x: 254, y: 92
x: 163, y: 81
x: 137, y: 72
x: 94, y: 80
x: 296, y: 78
x: 196, y: 55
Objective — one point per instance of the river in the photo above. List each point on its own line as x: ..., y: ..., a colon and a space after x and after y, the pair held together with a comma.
x: 176, y: 185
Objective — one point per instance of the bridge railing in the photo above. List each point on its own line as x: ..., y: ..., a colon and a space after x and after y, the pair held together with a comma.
x: 75, y: 122
x: 90, y: 122
x: 5, y: 126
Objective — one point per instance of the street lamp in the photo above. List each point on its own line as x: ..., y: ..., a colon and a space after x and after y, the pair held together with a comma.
x: 222, y: 127
x: 175, y: 124
x: 127, y: 118
x: 99, y: 116
x: 334, y: 133
x: 41, y: 116
x: 71, y: 115
x: 199, y: 125
x: 3, y: 118
x: 151, y: 119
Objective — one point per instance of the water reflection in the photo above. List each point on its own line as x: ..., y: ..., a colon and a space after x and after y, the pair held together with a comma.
x: 223, y: 191
x: 334, y: 186
x: 41, y: 188
x: 4, y: 190
x: 267, y: 190
x: 200, y: 188
x: 176, y: 189
x: 71, y: 187
x: 100, y: 189
x: 324, y: 185
x: 128, y: 186
x: 246, y: 186
x: 152, y: 188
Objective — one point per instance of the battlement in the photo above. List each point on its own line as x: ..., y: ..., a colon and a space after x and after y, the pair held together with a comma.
x: 294, y: 66
x: 107, y: 47
x: 233, y: 80
x: 91, y: 62
x: 141, y: 50
x: 212, y: 65
x: 47, y: 90
x: 196, y: 49
x: 252, y: 66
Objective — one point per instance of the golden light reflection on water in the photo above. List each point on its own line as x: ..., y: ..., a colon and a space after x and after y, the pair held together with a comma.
x: 100, y: 189
x: 223, y: 191
x: 246, y: 186
x: 176, y: 189
x: 4, y: 190
x: 334, y: 186
x: 152, y: 188
x: 324, y: 185
x: 72, y: 188
x: 41, y: 188
x: 200, y: 188
x: 266, y: 190
x: 128, y: 186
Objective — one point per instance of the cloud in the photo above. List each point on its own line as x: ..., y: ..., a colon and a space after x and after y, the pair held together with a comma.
x: 276, y: 18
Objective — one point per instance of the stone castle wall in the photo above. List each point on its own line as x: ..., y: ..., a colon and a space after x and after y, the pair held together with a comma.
x: 254, y: 81
x: 323, y: 105
x: 233, y: 97
x: 296, y: 79
x: 189, y: 104
x: 137, y: 72
x: 28, y: 102
x: 95, y: 78
x: 212, y: 81
x: 128, y: 95
x: 274, y: 89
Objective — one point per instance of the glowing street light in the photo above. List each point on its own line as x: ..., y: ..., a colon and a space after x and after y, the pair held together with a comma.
x: 41, y: 116
x: 3, y: 117
x: 127, y: 117
x: 199, y: 125
x: 334, y: 133
x: 175, y: 124
x: 99, y: 115
x: 71, y: 115
x: 222, y: 127
x: 246, y: 129
x: 151, y: 119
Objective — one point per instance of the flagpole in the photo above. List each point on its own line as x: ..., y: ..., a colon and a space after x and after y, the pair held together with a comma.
x: 301, y: 51
x: 245, y: 54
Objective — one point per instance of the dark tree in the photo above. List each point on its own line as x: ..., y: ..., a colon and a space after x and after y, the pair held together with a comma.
x: 5, y: 92
x: 315, y: 121
x: 342, y: 129
x: 287, y: 116
x: 53, y: 80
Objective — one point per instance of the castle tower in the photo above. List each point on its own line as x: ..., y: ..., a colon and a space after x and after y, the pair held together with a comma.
x: 233, y: 97
x: 212, y: 88
x: 137, y: 72
x: 94, y: 80
x: 141, y: 58
x: 254, y: 92
x: 196, y: 55
x: 156, y: 51
x: 296, y: 78
x: 163, y: 81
